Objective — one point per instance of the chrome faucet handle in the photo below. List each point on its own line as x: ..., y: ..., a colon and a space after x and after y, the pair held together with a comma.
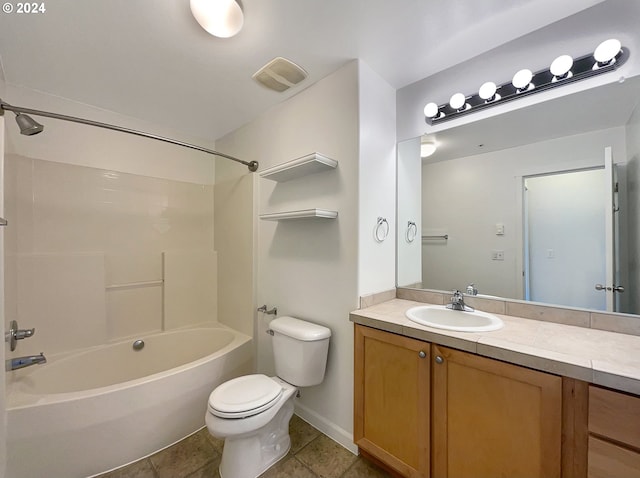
x: 16, y: 334
x: 471, y: 289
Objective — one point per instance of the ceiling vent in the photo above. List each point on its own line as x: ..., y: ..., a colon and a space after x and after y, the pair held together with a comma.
x: 280, y: 74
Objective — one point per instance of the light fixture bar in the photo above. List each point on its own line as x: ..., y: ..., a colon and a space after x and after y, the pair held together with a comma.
x: 542, y: 80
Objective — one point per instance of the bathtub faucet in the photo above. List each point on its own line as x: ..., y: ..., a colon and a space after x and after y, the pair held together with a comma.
x: 21, y: 362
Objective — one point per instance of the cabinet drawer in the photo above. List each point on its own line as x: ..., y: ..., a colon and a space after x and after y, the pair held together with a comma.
x: 614, y: 415
x: 607, y: 460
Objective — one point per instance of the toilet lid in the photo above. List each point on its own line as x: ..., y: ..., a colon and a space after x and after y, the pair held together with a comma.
x: 244, y: 396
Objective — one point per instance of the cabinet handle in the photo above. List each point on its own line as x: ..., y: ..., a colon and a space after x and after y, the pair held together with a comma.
x: 439, y: 359
x: 422, y: 354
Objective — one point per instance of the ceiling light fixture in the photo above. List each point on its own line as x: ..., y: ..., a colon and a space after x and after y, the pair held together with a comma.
x: 220, y: 18
x: 608, y: 56
x: 427, y: 148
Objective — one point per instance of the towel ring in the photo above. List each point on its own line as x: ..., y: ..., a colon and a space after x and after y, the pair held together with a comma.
x: 381, y: 231
x: 412, y: 231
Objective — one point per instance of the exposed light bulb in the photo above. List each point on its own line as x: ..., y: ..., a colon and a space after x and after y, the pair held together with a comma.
x: 427, y: 148
x: 488, y: 91
x: 561, y: 66
x: 607, y: 51
x: 522, y: 79
x: 431, y: 110
x: 457, y: 101
x: 220, y: 18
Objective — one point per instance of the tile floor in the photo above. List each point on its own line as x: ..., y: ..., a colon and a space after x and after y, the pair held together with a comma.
x: 312, y: 455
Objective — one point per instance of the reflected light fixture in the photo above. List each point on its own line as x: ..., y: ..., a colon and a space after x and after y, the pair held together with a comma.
x: 220, y: 18
x: 607, y: 57
x: 427, y: 148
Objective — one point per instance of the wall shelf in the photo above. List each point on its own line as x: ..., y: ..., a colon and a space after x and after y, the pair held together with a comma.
x: 302, y: 214
x: 309, y: 164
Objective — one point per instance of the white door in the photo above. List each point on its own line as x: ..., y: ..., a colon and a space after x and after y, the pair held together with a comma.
x: 610, y: 287
x: 565, y: 238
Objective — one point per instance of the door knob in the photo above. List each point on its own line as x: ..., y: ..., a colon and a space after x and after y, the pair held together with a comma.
x: 615, y: 288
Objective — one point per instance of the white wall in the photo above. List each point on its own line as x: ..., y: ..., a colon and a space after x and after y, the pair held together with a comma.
x: 467, y: 197
x: 377, y: 181
x: 3, y: 413
x: 633, y: 176
x: 409, y: 266
x: 83, y: 145
x: 235, y: 240
x: 308, y: 268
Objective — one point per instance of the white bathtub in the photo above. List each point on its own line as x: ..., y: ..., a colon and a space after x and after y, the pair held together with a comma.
x: 95, y: 410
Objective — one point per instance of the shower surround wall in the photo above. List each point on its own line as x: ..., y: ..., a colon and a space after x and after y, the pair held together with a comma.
x: 96, y: 255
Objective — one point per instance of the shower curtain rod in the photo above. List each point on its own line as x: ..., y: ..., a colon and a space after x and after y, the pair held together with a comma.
x: 252, y: 165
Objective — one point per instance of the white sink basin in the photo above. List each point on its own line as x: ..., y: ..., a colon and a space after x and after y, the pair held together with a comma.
x: 442, y: 318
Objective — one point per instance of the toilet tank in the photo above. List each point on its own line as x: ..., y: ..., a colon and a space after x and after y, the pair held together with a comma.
x: 300, y: 350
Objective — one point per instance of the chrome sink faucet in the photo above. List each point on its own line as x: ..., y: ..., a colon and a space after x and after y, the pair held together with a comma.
x: 22, y: 362
x: 457, y: 302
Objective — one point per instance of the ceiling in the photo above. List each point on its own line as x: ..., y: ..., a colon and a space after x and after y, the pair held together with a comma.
x: 149, y: 59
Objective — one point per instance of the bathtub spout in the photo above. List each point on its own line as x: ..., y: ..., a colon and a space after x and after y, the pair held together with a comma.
x: 21, y: 362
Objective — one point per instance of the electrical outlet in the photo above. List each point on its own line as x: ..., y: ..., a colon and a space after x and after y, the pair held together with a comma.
x: 497, y: 255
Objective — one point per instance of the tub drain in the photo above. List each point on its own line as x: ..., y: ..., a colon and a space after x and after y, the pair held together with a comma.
x: 138, y: 344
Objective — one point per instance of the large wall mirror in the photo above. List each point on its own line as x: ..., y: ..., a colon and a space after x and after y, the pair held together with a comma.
x: 541, y: 203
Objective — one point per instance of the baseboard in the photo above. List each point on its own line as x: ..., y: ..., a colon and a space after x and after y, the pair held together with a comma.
x: 333, y: 431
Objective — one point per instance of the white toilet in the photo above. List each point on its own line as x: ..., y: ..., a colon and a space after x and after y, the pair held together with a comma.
x: 252, y: 412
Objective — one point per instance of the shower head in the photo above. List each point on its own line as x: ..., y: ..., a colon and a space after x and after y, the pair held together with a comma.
x: 28, y: 126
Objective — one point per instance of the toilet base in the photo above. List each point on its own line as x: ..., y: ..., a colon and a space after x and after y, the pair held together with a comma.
x: 251, y: 455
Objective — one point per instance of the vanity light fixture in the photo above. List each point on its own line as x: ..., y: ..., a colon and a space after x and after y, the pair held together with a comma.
x: 458, y: 102
x: 431, y: 110
x: 606, y: 52
x: 488, y: 92
x: 220, y: 18
x: 561, y: 67
x: 607, y: 57
x: 522, y: 81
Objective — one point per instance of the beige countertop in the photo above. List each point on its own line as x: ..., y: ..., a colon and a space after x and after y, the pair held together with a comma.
x: 604, y: 358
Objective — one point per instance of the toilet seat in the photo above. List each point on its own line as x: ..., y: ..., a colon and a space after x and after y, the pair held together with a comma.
x: 244, y: 396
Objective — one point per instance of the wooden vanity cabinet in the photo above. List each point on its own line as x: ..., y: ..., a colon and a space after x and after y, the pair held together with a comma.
x: 425, y: 410
x: 614, y: 434
x: 491, y: 418
x: 392, y: 400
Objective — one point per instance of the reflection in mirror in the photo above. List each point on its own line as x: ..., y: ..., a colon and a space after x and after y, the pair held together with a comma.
x: 524, y: 205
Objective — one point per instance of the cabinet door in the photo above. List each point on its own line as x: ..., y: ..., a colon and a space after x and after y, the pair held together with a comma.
x: 492, y: 419
x: 391, y: 400
x: 608, y: 460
